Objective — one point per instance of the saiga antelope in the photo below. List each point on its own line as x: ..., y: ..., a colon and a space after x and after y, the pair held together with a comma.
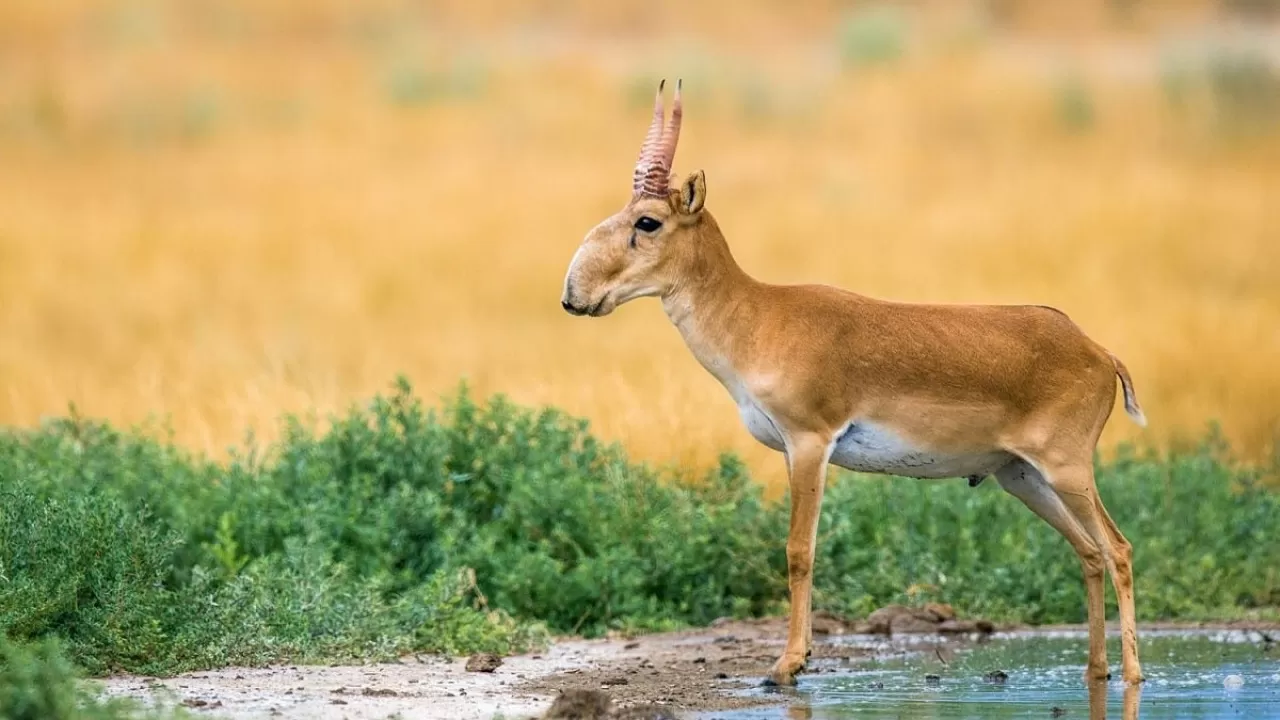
x: 824, y: 376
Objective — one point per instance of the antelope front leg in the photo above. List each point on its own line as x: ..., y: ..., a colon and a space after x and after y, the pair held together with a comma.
x: 807, y: 458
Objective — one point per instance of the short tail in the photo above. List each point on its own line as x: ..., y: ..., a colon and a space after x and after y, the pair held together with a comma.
x: 1131, y: 405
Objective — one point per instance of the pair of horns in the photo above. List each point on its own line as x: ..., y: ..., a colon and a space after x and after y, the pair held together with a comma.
x: 653, y: 168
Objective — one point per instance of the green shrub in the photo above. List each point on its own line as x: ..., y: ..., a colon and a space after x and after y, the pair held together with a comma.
x: 1073, y: 105
x: 872, y: 35
x: 475, y: 525
x: 1235, y: 87
x: 1245, y: 85
x: 137, y: 555
x: 38, y: 682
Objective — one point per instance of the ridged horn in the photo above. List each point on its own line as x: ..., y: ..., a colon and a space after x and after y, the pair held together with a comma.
x: 671, y: 135
x: 653, y: 167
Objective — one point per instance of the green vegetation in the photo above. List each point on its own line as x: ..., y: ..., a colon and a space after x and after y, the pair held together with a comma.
x: 478, y: 526
x: 1074, y: 106
x: 1235, y: 87
x: 37, y: 682
x: 872, y: 35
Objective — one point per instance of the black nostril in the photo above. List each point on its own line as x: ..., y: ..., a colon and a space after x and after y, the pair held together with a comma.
x: 568, y: 306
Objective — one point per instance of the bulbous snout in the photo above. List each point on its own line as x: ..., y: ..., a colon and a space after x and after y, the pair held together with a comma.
x: 568, y: 302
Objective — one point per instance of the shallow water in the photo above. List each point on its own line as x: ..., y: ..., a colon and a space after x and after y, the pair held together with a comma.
x: 1204, y: 675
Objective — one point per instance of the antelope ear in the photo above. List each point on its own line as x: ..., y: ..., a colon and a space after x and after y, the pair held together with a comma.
x: 693, y: 193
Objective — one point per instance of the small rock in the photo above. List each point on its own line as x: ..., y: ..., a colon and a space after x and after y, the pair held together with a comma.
x: 893, y: 619
x: 907, y: 624
x: 942, y: 611
x: 643, y: 712
x: 932, y: 679
x: 614, y: 681
x: 483, y: 662
x: 378, y: 692
x: 631, y: 646
x: 1233, y: 681
x: 336, y: 701
x: 957, y: 627
x: 722, y: 676
x: 827, y: 623
x: 996, y: 676
x: 699, y: 660
x: 887, y: 613
x: 580, y: 705
x: 1056, y: 711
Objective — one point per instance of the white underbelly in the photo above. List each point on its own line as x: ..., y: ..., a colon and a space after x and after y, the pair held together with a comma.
x: 870, y: 448
x: 761, y: 426
x: 866, y: 447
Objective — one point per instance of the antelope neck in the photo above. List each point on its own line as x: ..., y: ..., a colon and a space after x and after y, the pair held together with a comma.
x: 714, y: 306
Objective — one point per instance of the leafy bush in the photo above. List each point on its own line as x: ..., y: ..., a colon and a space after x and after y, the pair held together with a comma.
x: 872, y: 35
x: 1073, y: 105
x: 37, y: 682
x: 472, y: 527
x: 1245, y: 84
x: 131, y: 551
x: 1236, y: 87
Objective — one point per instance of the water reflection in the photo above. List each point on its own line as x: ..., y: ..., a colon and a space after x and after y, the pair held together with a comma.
x: 800, y: 712
x: 1098, y: 701
x: 1200, y: 675
x: 1098, y: 706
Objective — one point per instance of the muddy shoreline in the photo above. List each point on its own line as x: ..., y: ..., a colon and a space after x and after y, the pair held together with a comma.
x: 686, y: 672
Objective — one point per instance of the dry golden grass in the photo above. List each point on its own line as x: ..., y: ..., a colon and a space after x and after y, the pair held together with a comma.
x: 222, y: 215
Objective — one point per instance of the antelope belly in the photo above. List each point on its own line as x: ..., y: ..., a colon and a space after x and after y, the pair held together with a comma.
x: 867, y: 447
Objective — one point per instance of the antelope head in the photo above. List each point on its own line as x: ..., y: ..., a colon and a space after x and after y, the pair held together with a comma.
x: 645, y: 248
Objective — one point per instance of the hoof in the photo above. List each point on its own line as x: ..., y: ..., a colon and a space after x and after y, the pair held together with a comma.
x: 774, y: 681
x: 780, y: 679
x: 1097, y: 675
x: 784, y: 671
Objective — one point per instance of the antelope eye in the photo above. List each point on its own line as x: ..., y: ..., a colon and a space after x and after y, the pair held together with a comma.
x: 647, y: 224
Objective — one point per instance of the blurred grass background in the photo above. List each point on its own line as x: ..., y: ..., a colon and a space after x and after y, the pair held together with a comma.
x: 220, y: 211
